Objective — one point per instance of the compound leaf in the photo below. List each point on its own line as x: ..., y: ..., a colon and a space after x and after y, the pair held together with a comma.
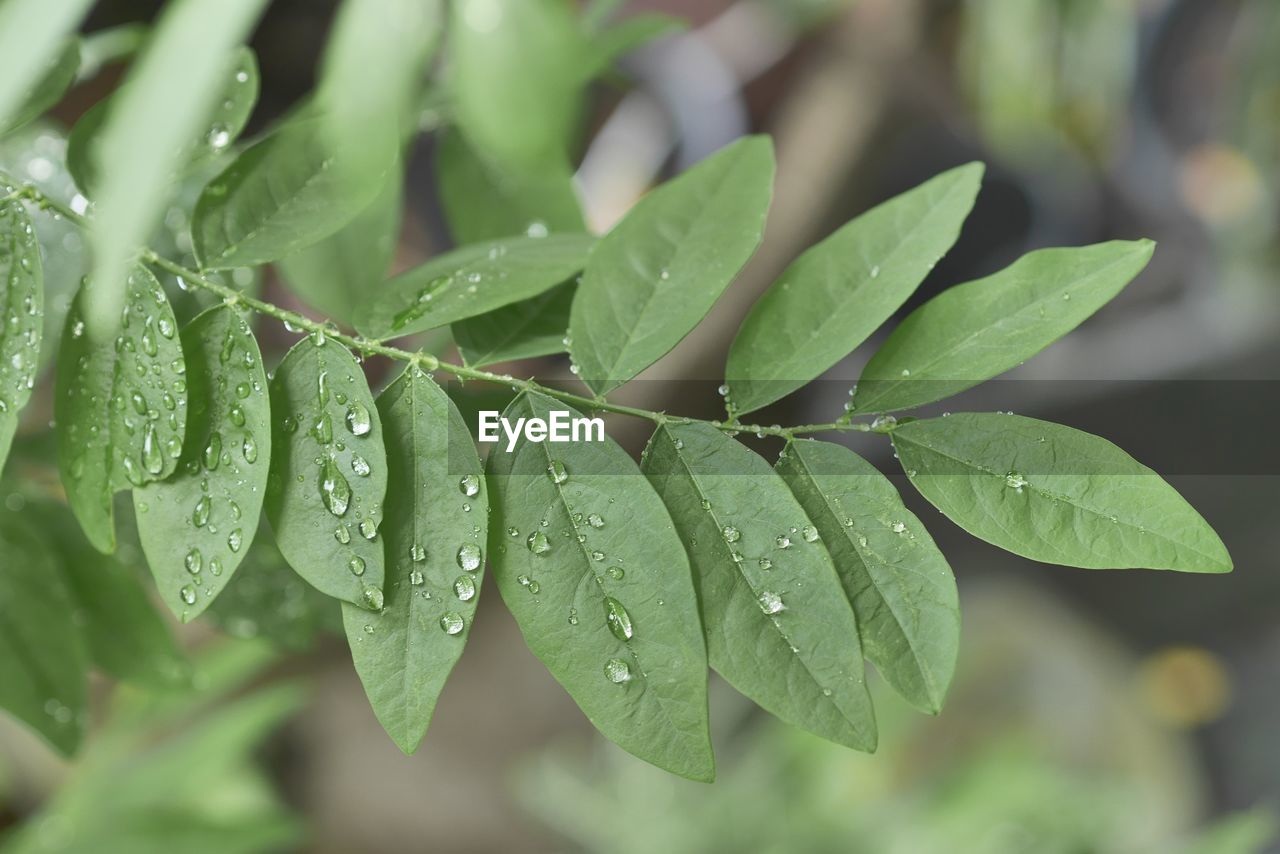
x: 221, y: 127
x: 1055, y: 494
x: 470, y: 281
x: 436, y: 527
x: 522, y: 330
x: 653, y: 278
x: 285, y: 193
x: 763, y: 574
x: 42, y: 664
x: 587, y: 559
x: 198, y: 524
x: 49, y: 90
x: 838, y: 292
x: 900, y: 585
x: 328, y: 472
x: 975, y: 331
x: 22, y: 307
x: 334, y: 275
x: 120, y: 406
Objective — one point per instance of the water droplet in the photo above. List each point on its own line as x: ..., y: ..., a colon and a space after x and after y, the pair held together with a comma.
x: 368, y: 529
x: 595, y: 521
x: 782, y: 541
x: 356, y: 565
x: 731, y: 534
x: 452, y: 623
x: 342, y: 534
x: 899, y: 527
x: 469, y: 485
x: 417, y: 553
x: 770, y: 603
x: 373, y: 596
x: 1015, y: 481
x: 215, y: 566
x: 557, y: 472
x: 358, y: 421
x: 617, y: 671
x: 469, y: 557
x: 884, y: 423
x: 617, y: 619
x: 809, y: 533
x: 322, y: 430
x: 573, y: 616
x: 416, y: 578
x: 213, y: 451
x: 765, y: 563
x: 334, y: 489
x: 464, y: 587
x: 359, y: 465
x: 194, y: 562
x: 249, y: 448
x: 235, y: 539
x: 616, y: 573
x: 188, y: 594
x: 538, y: 543
x: 200, y: 516
x: 152, y: 456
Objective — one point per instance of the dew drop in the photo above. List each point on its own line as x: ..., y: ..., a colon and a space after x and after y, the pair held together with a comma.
x: 782, y: 541
x: 188, y: 594
x: 356, y: 565
x: 770, y: 602
x: 152, y: 456
x: 731, y: 534
x: 360, y: 465
x: 538, y: 543
x: 1015, y: 481
x: 469, y: 557
x: 249, y: 448
x: 809, y: 533
x: 335, y: 492
x: 200, y: 516
x: 617, y: 671
x: 235, y: 539
x: 194, y: 562
x: 557, y: 472
x: 469, y: 485
x: 464, y: 587
x: 452, y: 623
x: 358, y: 421
x: 417, y: 553
x: 342, y: 534
x: 617, y: 619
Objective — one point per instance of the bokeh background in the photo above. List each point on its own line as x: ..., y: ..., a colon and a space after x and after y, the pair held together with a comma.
x: 1092, y: 711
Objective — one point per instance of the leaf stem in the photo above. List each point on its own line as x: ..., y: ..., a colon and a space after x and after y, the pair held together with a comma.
x: 326, y: 330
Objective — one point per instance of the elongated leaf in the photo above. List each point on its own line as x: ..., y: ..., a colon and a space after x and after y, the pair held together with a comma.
x: 1055, y: 494
x: 166, y: 100
x: 484, y: 202
x: 121, y: 405
x: 516, y: 79
x: 372, y: 75
x: 42, y: 666
x: 221, y: 126
x: 470, y: 281
x: 49, y: 90
x: 975, y: 331
x: 778, y: 625
x: 437, y: 509
x: 625, y: 36
x: 22, y: 307
x: 122, y: 633
x: 900, y: 585
x: 656, y: 275
x: 278, y: 197
x: 31, y: 32
x: 337, y: 273
x: 522, y: 330
x: 198, y: 524
x: 837, y: 293
x: 328, y: 472
x: 588, y: 561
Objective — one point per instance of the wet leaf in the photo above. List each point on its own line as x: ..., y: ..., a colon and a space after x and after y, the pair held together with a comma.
x: 21, y: 313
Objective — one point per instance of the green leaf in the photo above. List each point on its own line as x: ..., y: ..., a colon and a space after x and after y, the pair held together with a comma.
x: 470, y: 281
x: 198, y: 524
x: 516, y: 79
x: 483, y: 201
x: 49, y: 90
x: 31, y: 33
x: 900, y: 585
x: 42, y: 667
x: 588, y: 562
x: 522, y: 330
x: 336, y: 274
x: 656, y: 275
x: 975, y: 331
x: 328, y: 472
x: 1054, y: 494
x: 220, y: 127
x: 22, y: 304
x: 437, y: 506
x: 838, y: 292
x: 778, y: 625
x: 121, y: 405
x: 282, y: 195
x: 625, y: 36
x: 123, y: 634
x: 167, y: 98
x: 373, y: 69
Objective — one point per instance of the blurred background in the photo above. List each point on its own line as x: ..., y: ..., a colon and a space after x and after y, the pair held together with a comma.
x: 1107, y: 712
